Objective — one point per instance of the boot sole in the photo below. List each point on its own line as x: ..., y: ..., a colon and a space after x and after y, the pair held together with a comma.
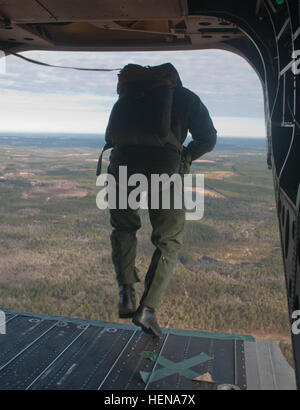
x: 147, y: 330
x: 126, y: 315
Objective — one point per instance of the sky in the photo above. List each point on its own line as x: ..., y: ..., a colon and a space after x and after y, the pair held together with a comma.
x: 42, y: 99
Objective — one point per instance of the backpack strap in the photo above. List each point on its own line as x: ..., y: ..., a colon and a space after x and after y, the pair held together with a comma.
x: 99, y: 165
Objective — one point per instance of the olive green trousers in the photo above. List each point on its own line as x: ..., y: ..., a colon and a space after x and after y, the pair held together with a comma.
x: 167, y: 237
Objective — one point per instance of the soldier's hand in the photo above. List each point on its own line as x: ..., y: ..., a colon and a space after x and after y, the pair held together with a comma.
x: 186, y: 161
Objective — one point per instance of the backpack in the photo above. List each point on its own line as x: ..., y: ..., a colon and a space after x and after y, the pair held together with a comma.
x: 142, y: 113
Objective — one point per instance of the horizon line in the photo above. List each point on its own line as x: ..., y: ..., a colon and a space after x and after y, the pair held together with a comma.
x: 66, y: 133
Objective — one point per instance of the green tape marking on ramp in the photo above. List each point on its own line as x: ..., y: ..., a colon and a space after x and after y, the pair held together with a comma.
x: 169, y: 368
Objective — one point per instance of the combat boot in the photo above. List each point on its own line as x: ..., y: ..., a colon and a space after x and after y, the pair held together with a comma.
x: 146, y: 319
x: 127, y: 303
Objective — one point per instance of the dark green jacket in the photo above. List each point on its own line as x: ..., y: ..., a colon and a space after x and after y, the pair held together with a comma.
x: 190, y: 114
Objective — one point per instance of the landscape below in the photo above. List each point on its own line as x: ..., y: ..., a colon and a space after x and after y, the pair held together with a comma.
x: 55, y: 245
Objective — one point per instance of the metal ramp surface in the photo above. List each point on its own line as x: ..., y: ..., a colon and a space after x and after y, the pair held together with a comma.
x: 41, y: 352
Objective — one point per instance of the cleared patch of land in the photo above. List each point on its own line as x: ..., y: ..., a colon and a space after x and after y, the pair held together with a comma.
x: 219, y: 174
x: 55, y: 189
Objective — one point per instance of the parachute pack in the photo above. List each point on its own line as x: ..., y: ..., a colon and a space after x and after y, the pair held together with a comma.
x: 142, y: 114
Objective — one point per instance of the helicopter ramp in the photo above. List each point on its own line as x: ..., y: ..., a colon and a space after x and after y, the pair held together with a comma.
x: 41, y: 352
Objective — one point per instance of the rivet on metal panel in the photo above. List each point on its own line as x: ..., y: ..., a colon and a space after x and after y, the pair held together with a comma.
x: 61, y: 323
x: 111, y: 330
x: 33, y: 320
x: 82, y: 326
